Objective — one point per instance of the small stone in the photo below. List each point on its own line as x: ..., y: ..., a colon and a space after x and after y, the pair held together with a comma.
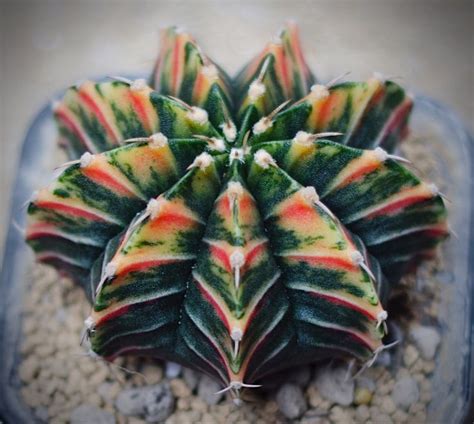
x: 334, y: 385
x: 108, y: 391
x: 314, y: 398
x: 400, y: 416
x: 291, y: 401
x: 191, y: 378
x: 405, y: 392
x: 159, y: 403
x: 28, y: 369
x: 179, y: 388
x: 362, y: 396
x: 131, y: 401
x: 410, y: 355
x: 152, y: 373
x: 382, y: 419
x: 207, y: 389
x: 388, y: 405
x: 173, y: 370
x: 362, y: 413
x: 384, y: 359
x: 87, y: 414
x: 426, y: 339
x: 339, y: 415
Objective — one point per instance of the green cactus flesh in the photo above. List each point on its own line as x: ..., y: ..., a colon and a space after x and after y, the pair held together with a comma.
x: 211, y: 224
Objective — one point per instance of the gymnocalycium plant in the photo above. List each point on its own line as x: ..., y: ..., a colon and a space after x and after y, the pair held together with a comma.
x: 235, y: 226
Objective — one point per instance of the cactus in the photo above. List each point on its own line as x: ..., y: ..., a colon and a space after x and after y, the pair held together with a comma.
x: 236, y: 226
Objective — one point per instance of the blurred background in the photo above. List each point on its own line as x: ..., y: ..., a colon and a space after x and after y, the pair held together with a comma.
x: 47, y: 45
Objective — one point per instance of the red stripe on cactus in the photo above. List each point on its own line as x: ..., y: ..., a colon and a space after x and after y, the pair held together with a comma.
x: 103, y: 178
x: 217, y: 307
x: 168, y: 218
x: 97, y: 112
x: 177, y: 50
x: 139, y: 266
x: 222, y: 256
x: 139, y: 107
x: 359, y: 173
x: 253, y: 254
x: 398, y: 204
x: 64, y: 115
x: 342, y: 302
x: 299, y: 210
x: 398, y: 117
x: 328, y: 261
x: 70, y: 210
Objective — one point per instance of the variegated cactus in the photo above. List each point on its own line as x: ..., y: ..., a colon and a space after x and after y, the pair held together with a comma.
x: 213, y: 224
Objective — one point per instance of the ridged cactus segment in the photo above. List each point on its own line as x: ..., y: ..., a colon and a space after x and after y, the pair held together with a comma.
x: 71, y: 221
x: 236, y: 274
x: 117, y: 111
x: 321, y: 267
x: 183, y: 71
x: 277, y: 74
x: 148, y: 273
x: 237, y: 250
x: 374, y: 112
x: 372, y: 194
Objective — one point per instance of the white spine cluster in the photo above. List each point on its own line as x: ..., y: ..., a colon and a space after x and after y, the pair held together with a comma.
x: 236, y: 154
x: 319, y: 91
x: 262, y: 125
x: 217, y: 144
x: 309, y: 193
x: 86, y: 159
x: 264, y: 159
x: 153, y: 208
x: 256, y: 90
x: 235, y: 189
x: 139, y: 85
x: 230, y: 131
x: 198, y: 115
x: 358, y: 260
x: 237, y: 261
x: 158, y: 140
x: 202, y: 161
x: 304, y: 138
x: 236, y: 335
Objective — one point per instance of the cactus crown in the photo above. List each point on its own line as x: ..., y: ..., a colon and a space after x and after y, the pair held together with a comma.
x: 212, y: 222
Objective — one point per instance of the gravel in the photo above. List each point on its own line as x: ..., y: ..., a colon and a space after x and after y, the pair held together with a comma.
x: 405, y: 392
x: 207, y: 389
x: 63, y: 385
x: 334, y: 385
x: 87, y: 414
x: 159, y: 403
x: 426, y: 340
x: 291, y: 401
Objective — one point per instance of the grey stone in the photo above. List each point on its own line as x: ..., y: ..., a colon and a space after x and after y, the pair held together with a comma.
x: 87, y: 414
x: 335, y: 385
x: 207, y: 389
x: 191, y: 378
x: 159, y: 403
x: 131, y: 402
x: 172, y: 370
x: 291, y: 401
x: 405, y: 392
x: 426, y: 340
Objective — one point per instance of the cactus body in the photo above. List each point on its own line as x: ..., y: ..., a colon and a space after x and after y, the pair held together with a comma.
x: 211, y: 225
